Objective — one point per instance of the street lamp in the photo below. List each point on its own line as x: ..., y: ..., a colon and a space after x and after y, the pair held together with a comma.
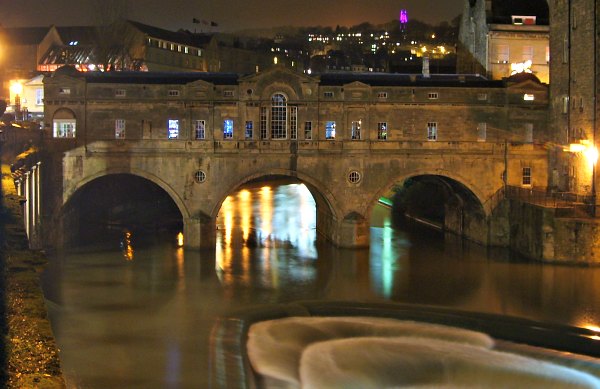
x: 16, y: 90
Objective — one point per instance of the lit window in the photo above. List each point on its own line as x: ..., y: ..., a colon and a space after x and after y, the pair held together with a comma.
x: 355, y: 130
x: 278, y: 116
x: 526, y: 178
x: 382, y: 131
x: 432, y: 95
x: 200, y: 129
x: 63, y: 128
x: 330, y: 130
x: 39, y: 96
x: 308, y: 130
x: 173, y: 93
x: 173, y: 128
x: 382, y: 95
x: 249, y: 129
x: 481, y: 132
x: 64, y: 91
x: 482, y: 96
x: 528, y: 97
x: 432, y: 131
x: 228, y: 129
x: 120, y: 92
x: 119, y: 128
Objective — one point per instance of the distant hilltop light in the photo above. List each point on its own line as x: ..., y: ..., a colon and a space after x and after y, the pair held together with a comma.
x: 403, y: 16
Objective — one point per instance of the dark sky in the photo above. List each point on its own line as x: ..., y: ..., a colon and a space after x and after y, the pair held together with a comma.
x: 230, y: 15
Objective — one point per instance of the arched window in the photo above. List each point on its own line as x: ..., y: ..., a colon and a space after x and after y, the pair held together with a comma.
x: 279, y: 115
x: 64, y: 124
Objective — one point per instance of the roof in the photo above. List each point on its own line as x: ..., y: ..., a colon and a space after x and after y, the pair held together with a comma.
x: 183, y: 36
x: 161, y: 77
x: 324, y: 79
x: 396, y: 79
x: 86, y: 35
x: 25, y: 35
x: 502, y: 11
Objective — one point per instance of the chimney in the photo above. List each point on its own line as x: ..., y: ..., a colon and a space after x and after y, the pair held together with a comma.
x: 425, y: 67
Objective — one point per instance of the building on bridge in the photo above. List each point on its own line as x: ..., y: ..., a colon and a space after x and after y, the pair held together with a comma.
x: 349, y: 137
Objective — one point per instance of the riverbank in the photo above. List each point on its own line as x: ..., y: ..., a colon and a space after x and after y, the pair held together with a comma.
x: 29, y: 352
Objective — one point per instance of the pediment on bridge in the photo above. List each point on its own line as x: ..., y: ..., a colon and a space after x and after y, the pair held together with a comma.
x: 279, y: 79
x: 200, y: 85
x: 277, y: 72
x: 357, y: 85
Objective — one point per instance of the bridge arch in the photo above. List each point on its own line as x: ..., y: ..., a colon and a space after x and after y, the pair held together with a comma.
x: 456, y: 204
x: 173, y: 194
x: 328, y: 209
x: 387, y: 190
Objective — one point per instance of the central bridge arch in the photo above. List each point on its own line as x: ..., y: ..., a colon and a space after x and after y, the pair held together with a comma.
x: 327, y: 206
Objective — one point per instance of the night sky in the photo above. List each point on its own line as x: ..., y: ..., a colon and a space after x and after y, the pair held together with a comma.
x: 230, y: 15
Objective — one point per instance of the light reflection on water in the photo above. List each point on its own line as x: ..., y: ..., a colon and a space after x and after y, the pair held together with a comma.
x: 145, y: 323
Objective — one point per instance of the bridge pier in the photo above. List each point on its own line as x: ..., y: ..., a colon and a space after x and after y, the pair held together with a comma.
x: 199, y: 233
x: 351, y: 232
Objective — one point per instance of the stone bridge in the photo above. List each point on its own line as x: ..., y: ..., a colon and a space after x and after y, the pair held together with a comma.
x: 346, y: 179
x: 350, y: 138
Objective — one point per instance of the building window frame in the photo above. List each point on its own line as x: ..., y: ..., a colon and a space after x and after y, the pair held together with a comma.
x: 39, y: 96
x: 172, y: 128
x: 526, y: 176
x: 119, y: 128
x: 308, y: 130
x: 64, y: 128
x: 228, y: 129
x: 279, y: 116
x: 382, y: 131
x: 481, y: 132
x: 432, y: 131
x: 433, y: 95
x: 330, y: 130
x: 355, y: 128
x: 263, y: 117
x: 200, y: 129
x: 249, y: 133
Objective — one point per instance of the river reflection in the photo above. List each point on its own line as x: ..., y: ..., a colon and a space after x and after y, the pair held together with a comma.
x: 144, y: 320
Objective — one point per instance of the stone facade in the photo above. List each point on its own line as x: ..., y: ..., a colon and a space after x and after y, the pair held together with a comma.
x: 574, y: 71
x: 231, y: 129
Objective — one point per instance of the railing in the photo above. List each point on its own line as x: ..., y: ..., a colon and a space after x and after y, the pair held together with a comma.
x: 575, y: 201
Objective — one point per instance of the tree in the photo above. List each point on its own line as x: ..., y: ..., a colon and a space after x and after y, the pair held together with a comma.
x: 115, y: 39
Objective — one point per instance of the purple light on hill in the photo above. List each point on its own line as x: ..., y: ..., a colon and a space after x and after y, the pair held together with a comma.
x: 403, y: 16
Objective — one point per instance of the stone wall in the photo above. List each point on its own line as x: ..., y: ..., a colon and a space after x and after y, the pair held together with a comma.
x: 30, y: 353
x: 540, y: 233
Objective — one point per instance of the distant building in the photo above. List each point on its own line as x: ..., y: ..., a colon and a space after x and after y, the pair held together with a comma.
x: 501, y: 37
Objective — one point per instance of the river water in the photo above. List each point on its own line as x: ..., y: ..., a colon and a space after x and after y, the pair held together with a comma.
x: 139, y: 316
